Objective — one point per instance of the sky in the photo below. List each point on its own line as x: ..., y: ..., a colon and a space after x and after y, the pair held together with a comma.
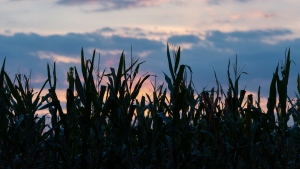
x: 209, y: 32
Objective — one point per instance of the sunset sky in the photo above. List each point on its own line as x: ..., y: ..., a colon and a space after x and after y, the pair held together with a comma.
x: 210, y: 32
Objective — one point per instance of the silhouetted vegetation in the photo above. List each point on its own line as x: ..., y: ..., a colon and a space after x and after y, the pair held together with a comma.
x: 106, y: 125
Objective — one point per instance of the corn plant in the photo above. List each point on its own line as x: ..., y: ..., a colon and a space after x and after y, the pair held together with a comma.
x: 106, y: 124
x: 22, y: 139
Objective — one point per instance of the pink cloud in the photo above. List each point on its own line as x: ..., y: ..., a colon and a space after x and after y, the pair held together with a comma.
x: 252, y: 15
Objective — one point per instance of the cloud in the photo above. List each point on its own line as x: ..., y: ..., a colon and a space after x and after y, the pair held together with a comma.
x: 26, y: 52
x: 217, y: 2
x: 72, y: 2
x: 254, y: 14
x: 244, y: 37
x: 56, y: 58
x: 259, y: 58
x: 106, y: 29
x: 184, y: 39
x: 204, y: 55
x: 114, y: 4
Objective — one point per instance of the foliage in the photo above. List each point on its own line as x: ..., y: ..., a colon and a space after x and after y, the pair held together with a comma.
x: 108, y: 126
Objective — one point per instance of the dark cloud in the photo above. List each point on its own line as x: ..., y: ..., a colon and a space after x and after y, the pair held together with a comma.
x: 65, y: 44
x: 184, y: 39
x: 106, y: 29
x: 22, y: 50
x: 260, y: 58
x: 212, y: 53
x: 106, y: 5
x: 239, y: 38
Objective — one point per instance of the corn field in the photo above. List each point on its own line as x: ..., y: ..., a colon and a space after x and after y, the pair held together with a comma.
x: 108, y: 125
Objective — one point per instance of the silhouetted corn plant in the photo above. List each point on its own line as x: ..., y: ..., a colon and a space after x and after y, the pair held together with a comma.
x: 22, y: 139
x: 106, y: 125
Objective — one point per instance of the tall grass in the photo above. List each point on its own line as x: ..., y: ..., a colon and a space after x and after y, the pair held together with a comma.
x: 106, y: 125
